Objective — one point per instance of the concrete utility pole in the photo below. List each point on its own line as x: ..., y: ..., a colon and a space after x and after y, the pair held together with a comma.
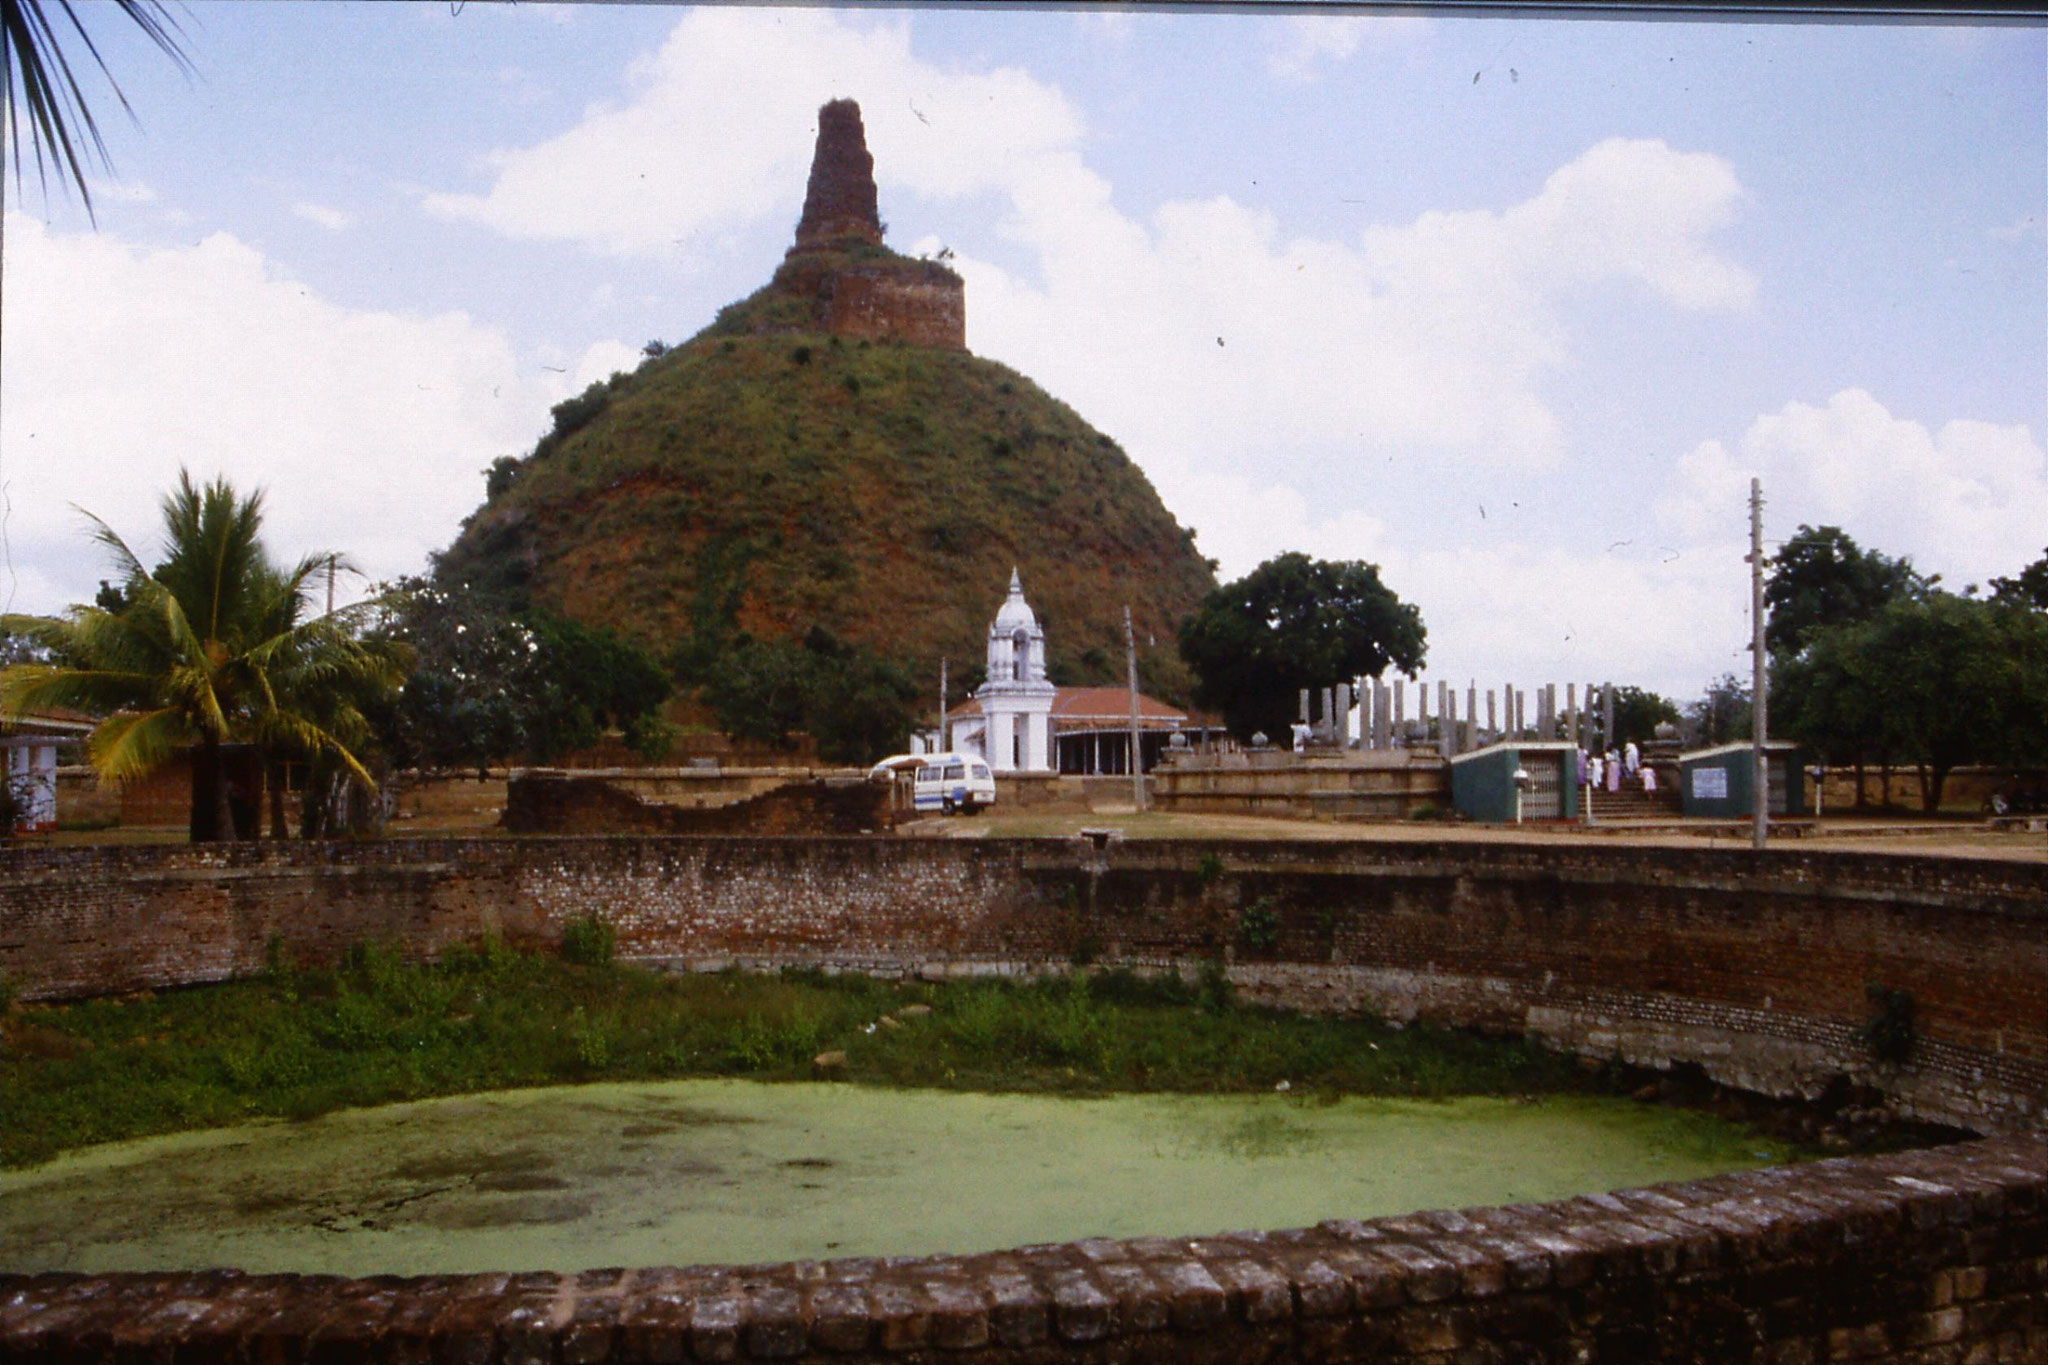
x: 1137, y: 754
x: 1760, y: 781
x: 943, y: 703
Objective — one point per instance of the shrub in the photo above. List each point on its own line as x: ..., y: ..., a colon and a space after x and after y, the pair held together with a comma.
x: 588, y: 941
x: 1890, y: 1033
x: 1208, y: 868
x: 1258, y: 925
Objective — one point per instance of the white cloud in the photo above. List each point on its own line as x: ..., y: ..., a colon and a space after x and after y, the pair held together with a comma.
x: 117, y: 192
x: 1499, y: 611
x: 2019, y: 230
x: 334, y: 220
x: 369, y: 429
x: 718, y: 132
x: 1435, y: 335
x: 1967, y: 500
x: 1302, y: 44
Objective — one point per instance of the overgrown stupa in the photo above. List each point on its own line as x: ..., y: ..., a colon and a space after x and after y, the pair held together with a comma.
x: 852, y: 284
x: 827, y: 463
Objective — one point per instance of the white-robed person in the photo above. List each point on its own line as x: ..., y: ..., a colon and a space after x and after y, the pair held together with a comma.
x: 1631, y: 759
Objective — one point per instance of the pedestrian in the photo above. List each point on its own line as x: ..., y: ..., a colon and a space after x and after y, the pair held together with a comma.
x: 1631, y: 758
x: 1613, y: 766
x: 1649, y: 781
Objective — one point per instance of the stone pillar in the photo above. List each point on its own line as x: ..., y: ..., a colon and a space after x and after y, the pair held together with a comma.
x: 1330, y: 715
x: 1382, y: 718
x: 1341, y: 717
x: 1447, y: 707
x: 1571, y: 713
x: 1305, y: 716
x: 1492, y: 719
x: 1470, y: 736
x: 1607, y: 713
x: 1507, y: 711
x: 1521, y: 712
x: 1400, y: 709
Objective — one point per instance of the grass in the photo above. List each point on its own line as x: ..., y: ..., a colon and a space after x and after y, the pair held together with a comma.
x: 376, y: 1029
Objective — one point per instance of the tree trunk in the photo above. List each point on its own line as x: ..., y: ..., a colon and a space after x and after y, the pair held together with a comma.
x: 273, y: 783
x: 1930, y: 788
x: 1862, y: 795
x: 217, y: 778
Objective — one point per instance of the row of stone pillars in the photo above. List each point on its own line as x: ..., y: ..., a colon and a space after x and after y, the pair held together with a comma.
x: 1381, y: 710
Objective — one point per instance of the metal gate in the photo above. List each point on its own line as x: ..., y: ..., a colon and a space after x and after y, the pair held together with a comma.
x: 1545, y: 798
x: 1777, y: 768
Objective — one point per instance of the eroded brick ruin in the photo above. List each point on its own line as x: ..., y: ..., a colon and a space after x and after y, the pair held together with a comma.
x: 857, y: 287
x: 1656, y: 956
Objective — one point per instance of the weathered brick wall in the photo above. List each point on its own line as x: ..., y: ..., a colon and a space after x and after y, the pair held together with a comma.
x: 1928, y: 1258
x: 558, y: 803
x: 1752, y: 966
x: 922, y: 308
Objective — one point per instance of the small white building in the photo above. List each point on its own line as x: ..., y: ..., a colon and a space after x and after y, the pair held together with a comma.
x: 1010, y: 722
x: 29, y: 743
x: 1020, y: 722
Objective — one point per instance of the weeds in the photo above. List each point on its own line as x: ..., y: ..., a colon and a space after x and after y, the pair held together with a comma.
x: 376, y: 1029
x: 588, y: 941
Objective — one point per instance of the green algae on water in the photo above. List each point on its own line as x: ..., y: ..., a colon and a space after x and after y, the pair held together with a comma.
x: 689, y: 1172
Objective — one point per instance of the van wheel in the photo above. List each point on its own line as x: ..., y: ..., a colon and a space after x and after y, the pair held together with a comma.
x: 946, y: 805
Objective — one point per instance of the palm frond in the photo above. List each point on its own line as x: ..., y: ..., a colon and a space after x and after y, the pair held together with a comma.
x: 37, y: 78
x: 135, y: 744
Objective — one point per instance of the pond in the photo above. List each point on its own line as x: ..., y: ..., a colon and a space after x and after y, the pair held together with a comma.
x: 688, y: 1172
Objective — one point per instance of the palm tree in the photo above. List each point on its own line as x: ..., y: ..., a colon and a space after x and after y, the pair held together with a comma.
x: 41, y: 90
x: 210, y: 648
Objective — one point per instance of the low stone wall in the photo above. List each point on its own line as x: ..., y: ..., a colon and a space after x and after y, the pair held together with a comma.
x: 1752, y: 966
x: 1929, y: 1257
x: 1357, y: 784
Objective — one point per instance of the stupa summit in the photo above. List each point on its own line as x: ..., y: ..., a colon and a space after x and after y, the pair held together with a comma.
x: 855, y: 287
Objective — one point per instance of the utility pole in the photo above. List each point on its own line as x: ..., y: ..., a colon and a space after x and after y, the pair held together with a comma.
x: 1137, y: 754
x: 330, y: 584
x: 1760, y: 778
x: 942, y: 704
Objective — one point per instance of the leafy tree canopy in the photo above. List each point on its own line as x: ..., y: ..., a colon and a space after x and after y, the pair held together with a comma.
x: 2028, y: 589
x: 858, y: 704
x: 1722, y: 714
x: 492, y: 686
x: 1295, y: 622
x: 1937, y: 681
x: 1821, y: 577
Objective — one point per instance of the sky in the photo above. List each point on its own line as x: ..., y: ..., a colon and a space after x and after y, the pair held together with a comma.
x: 1513, y: 308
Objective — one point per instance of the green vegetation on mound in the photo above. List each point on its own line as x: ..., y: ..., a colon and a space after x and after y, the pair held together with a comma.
x: 377, y: 1029
x: 768, y: 481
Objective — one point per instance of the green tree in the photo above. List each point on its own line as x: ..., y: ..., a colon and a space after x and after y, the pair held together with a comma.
x: 491, y: 685
x: 1295, y: 622
x: 1821, y: 577
x: 1721, y: 715
x: 2028, y: 589
x: 211, y: 647
x: 1938, y: 682
x: 856, y: 703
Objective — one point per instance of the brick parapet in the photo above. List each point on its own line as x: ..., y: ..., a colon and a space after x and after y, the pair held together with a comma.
x: 1929, y: 1256
x: 1753, y: 967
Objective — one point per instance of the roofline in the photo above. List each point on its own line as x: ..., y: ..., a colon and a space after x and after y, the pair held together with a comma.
x: 1739, y: 746
x: 1501, y: 745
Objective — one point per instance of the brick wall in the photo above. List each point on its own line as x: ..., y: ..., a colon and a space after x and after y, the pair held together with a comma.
x: 1751, y: 965
x: 558, y: 803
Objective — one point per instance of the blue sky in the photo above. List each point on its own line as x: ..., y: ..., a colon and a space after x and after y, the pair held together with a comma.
x: 1513, y: 308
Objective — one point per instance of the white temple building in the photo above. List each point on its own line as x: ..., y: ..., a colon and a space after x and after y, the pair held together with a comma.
x: 1021, y: 723
x: 1011, y: 721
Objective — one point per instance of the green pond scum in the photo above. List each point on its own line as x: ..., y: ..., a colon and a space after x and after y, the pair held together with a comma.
x: 688, y: 1172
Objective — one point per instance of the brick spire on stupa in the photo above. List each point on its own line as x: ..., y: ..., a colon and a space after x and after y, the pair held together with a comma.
x: 839, y: 203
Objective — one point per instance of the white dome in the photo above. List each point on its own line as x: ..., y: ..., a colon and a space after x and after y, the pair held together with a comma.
x: 1016, y: 612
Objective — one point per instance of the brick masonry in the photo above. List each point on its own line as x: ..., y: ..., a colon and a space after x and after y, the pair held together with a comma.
x: 1752, y: 966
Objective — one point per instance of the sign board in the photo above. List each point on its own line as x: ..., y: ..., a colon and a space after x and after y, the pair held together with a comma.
x: 1709, y: 784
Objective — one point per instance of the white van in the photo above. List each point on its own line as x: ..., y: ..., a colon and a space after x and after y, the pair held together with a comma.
x: 953, y: 782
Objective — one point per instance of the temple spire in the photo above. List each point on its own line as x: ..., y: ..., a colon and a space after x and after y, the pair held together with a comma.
x: 839, y: 203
